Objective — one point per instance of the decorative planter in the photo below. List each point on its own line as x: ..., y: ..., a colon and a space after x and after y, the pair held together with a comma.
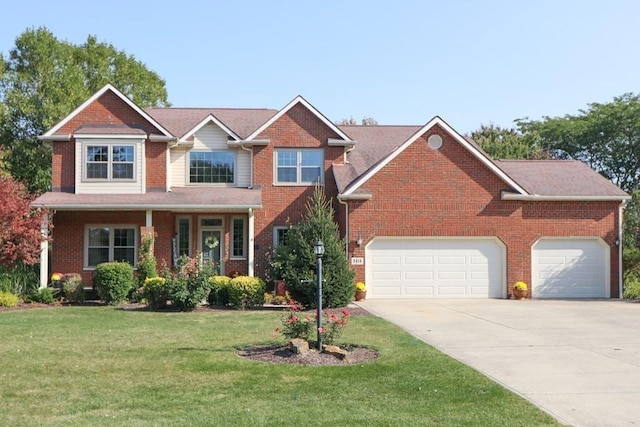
x: 281, y: 288
x: 520, y: 293
x: 360, y: 295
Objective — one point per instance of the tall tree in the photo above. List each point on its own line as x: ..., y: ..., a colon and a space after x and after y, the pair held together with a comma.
x: 366, y: 121
x: 295, y: 262
x: 605, y: 136
x: 44, y: 79
x: 503, y: 143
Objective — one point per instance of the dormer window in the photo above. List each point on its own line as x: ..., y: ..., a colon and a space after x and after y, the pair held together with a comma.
x: 212, y: 167
x: 109, y: 162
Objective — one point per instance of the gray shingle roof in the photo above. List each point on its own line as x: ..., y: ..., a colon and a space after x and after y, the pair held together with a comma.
x: 559, y: 178
x: 192, y: 198
x: 242, y: 121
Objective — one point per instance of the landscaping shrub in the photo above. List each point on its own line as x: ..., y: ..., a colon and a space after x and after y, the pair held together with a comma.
x: 43, y: 295
x: 189, y: 286
x: 147, y: 265
x: 7, y: 299
x: 113, y: 281
x: 219, y: 294
x: 295, y: 262
x: 297, y: 324
x: 72, y: 287
x: 155, y: 291
x: 632, y: 287
x: 21, y: 279
x: 246, y: 292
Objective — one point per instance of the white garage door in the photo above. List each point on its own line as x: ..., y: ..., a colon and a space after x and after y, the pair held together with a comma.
x: 434, y: 268
x: 570, y: 268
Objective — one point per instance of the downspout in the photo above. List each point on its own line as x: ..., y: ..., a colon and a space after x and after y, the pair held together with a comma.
x: 250, y: 150
x: 620, y: 213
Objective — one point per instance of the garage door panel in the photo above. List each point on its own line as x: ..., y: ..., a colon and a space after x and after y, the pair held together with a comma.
x: 434, y: 268
x: 418, y: 275
x: 387, y: 260
x: 570, y: 268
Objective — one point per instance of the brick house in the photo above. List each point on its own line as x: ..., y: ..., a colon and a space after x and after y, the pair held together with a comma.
x: 426, y: 213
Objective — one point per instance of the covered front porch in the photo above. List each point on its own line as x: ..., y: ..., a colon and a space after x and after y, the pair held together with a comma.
x: 214, y: 223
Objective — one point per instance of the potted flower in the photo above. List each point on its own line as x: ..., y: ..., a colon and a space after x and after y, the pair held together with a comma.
x: 520, y: 290
x: 361, y: 291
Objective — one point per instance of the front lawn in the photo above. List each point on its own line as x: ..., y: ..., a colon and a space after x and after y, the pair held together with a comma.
x: 108, y: 366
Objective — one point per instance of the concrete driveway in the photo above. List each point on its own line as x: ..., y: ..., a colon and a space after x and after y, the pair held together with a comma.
x: 577, y: 360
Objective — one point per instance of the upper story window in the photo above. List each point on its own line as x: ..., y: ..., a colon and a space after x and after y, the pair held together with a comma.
x: 212, y: 167
x: 109, y: 162
x: 299, y: 166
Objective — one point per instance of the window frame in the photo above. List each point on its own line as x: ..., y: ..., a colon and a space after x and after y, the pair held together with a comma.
x: 189, y: 235
x: 110, y: 162
x: 234, y: 166
x: 298, y: 167
x: 276, y: 229
x: 111, y: 247
x: 232, y: 244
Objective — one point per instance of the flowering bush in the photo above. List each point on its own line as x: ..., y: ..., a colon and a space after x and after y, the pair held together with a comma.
x: 520, y: 285
x: 360, y: 286
x: 296, y: 324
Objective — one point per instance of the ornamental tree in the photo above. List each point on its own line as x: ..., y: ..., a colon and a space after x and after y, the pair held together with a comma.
x: 295, y: 262
x: 20, y: 225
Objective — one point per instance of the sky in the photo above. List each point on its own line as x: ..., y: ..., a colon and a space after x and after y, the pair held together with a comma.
x: 401, y: 62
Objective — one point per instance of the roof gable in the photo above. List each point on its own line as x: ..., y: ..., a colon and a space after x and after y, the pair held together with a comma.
x: 95, y: 97
x: 209, y: 119
x: 299, y: 100
x: 472, y: 148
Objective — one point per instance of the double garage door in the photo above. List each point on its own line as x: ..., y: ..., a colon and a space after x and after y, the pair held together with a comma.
x: 476, y: 268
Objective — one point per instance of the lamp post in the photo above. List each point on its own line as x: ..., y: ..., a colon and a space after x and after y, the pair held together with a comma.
x: 318, y: 249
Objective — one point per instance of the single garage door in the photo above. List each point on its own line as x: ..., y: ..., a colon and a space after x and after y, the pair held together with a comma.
x: 570, y: 268
x: 434, y: 268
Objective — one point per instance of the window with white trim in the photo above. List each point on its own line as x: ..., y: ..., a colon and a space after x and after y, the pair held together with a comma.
x: 183, y: 229
x: 299, y: 166
x: 106, y: 243
x: 238, y: 234
x: 109, y: 162
x: 212, y: 167
x: 279, y: 233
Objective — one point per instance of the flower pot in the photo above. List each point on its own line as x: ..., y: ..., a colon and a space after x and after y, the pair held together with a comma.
x: 520, y: 293
x: 360, y: 295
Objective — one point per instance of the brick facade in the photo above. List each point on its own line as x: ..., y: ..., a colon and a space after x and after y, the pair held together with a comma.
x: 446, y: 192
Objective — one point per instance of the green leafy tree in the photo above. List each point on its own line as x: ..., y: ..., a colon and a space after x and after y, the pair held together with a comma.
x: 43, y: 79
x: 605, y: 136
x: 503, y: 143
x: 295, y: 262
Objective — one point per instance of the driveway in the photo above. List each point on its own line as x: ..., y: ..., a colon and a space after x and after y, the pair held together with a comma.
x: 577, y: 360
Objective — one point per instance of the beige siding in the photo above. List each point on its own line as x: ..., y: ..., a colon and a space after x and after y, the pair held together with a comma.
x: 209, y: 137
x: 178, y: 167
x: 110, y: 187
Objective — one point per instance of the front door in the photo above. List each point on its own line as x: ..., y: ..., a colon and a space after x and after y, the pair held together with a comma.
x: 210, y: 243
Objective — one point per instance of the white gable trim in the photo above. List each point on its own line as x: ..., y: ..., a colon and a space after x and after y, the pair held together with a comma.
x: 435, y: 121
x: 97, y: 95
x: 209, y: 119
x: 299, y: 100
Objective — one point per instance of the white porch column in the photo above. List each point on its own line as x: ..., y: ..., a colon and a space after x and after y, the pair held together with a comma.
x: 149, y: 218
x: 44, y: 254
x: 251, y: 255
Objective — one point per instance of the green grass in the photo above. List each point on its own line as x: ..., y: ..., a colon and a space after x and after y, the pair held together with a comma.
x: 105, y: 366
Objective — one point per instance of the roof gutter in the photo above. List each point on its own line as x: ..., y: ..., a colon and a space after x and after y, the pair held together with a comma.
x: 55, y: 138
x: 119, y: 207
x: 540, y: 198
x: 356, y: 196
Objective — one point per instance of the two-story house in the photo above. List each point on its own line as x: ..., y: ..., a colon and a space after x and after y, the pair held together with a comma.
x: 426, y: 213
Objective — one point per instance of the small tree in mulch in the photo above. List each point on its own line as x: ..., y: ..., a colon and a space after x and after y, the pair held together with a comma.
x: 295, y: 262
